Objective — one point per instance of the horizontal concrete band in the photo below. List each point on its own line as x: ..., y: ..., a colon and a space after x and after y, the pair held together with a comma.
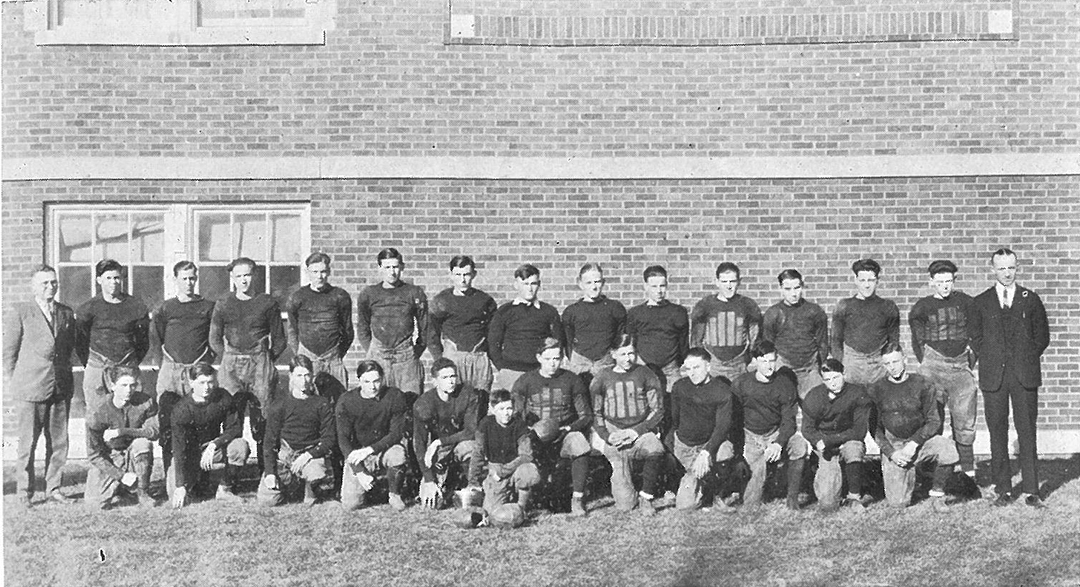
x: 568, y: 168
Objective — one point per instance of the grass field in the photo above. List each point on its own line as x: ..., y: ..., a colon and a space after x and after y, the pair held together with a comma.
x: 973, y: 544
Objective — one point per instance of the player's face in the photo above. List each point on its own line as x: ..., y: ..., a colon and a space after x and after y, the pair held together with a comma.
x: 462, y: 277
x: 696, y: 369
x: 111, y: 283
x: 446, y: 380
x: 766, y: 365
x: 300, y: 380
x: 656, y: 288
x: 833, y: 381
x: 624, y: 357
x: 243, y: 278
x: 391, y: 270
x: 124, y: 387
x: 549, y: 361
x: 894, y: 364
x: 186, y: 281
x: 318, y: 275
x: 1005, y: 269
x: 201, y: 386
x: 791, y: 291
x: 528, y: 287
x: 44, y: 285
x: 591, y: 284
x: 370, y: 383
x: 865, y: 283
x: 943, y: 284
x: 503, y: 412
x: 727, y: 284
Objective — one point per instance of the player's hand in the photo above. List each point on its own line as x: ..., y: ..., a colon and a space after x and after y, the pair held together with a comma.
x: 179, y: 497
x: 432, y: 450
x: 300, y: 462
x: 110, y: 434
x: 820, y: 446
x: 701, y: 465
x: 430, y: 494
x: 271, y: 482
x: 356, y: 457
x: 899, y: 459
x: 206, y: 461
x: 129, y: 479
x: 772, y: 452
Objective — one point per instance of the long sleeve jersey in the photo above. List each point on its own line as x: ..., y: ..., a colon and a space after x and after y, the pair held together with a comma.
x: 726, y: 328
x: 378, y: 422
x: 867, y: 326
x: 593, y: 327
x: 247, y: 326
x: 507, y: 446
x: 462, y: 319
x: 306, y: 425
x: 392, y: 315
x: 662, y: 331
x: 767, y: 407
x: 183, y: 328
x: 119, y: 332
x: 218, y: 420
x: 942, y: 324
x: 838, y: 420
x: 701, y: 413
x: 908, y: 410
x: 626, y: 400
x: 561, y: 397
x: 516, y: 331
x: 320, y: 320
x: 137, y: 419
x: 450, y: 422
x: 800, y: 332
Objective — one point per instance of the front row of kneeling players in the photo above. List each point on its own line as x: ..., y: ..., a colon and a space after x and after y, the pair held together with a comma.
x: 547, y: 417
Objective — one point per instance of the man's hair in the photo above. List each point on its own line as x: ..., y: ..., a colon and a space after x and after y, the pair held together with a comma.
x: 388, y: 253
x: 526, y: 271
x: 728, y: 267
x: 942, y: 266
x: 43, y: 269
x: 440, y: 364
x: 1003, y: 252
x: 624, y: 340
x: 301, y: 361
x: 105, y: 265
x: 499, y: 396
x: 199, y: 370
x: 866, y: 265
x: 461, y: 262
x: 115, y: 372
x: 547, y: 344
x: 700, y: 353
x: 654, y: 271
x: 892, y: 347
x: 317, y: 258
x: 762, y: 348
x: 590, y: 266
x: 241, y: 261
x: 832, y: 366
x: 368, y: 366
x: 184, y: 265
x: 789, y: 274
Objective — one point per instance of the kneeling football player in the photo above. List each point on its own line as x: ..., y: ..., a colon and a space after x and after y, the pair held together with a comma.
x: 444, y: 432
x: 504, y: 448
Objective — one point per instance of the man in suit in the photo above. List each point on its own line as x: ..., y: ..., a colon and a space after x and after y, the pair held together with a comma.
x: 1009, y: 334
x: 38, y: 339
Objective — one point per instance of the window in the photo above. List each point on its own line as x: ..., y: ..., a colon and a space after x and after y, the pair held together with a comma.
x: 180, y: 22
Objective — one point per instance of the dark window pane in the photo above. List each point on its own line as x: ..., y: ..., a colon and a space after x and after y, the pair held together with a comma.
x: 213, y: 282
x: 147, y: 285
x: 76, y: 285
x: 283, y: 281
x: 259, y: 279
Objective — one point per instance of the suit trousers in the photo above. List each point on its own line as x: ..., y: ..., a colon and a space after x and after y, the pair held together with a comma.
x: 1025, y: 408
x: 36, y: 419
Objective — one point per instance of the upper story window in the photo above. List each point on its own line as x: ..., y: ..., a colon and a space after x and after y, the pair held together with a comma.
x: 180, y: 22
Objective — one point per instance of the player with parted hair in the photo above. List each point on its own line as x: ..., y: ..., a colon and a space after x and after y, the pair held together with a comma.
x: 800, y: 330
x: 459, y: 318
x: 661, y: 329
x: 320, y: 320
x: 503, y: 459
x: 863, y: 326
x: 519, y: 326
x: 592, y: 324
x: 727, y: 324
x: 444, y: 431
x: 392, y: 324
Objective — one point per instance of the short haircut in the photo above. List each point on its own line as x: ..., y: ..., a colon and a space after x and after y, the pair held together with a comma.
x: 590, y: 267
x: 941, y: 266
x: 526, y: 271
x: 700, y: 353
x: 461, y: 262
x: 184, y: 265
x: 547, y: 344
x: 789, y: 274
x: 832, y: 366
x: 728, y: 267
x: 388, y: 253
x: 442, y: 363
x: 892, y: 347
x: 115, y: 372
x: 499, y: 396
x: 317, y: 258
x: 367, y: 367
x: 866, y: 265
x: 105, y: 265
x: 200, y: 370
x: 762, y: 348
x: 654, y: 271
x: 301, y: 361
x: 241, y: 261
x: 624, y: 340
x: 43, y: 269
x: 1002, y: 252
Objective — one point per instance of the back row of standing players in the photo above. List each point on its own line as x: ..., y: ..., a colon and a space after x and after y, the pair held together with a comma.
x: 494, y: 346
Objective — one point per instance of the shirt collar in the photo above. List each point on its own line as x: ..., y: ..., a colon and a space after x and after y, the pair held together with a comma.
x: 521, y: 302
x: 598, y: 299
x: 1002, y: 289
x: 657, y: 304
x: 46, y: 307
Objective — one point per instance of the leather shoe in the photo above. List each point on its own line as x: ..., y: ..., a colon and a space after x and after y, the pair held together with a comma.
x: 58, y: 497
x: 1035, y: 501
x: 1002, y: 500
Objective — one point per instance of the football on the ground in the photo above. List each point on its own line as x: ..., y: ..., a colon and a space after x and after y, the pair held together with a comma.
x: 508, y: 515
x: 546, y: 430
x: 469, y: 517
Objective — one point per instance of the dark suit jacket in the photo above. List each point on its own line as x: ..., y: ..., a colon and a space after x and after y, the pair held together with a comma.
x: 1023, y: 346
x: 37, y: 358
